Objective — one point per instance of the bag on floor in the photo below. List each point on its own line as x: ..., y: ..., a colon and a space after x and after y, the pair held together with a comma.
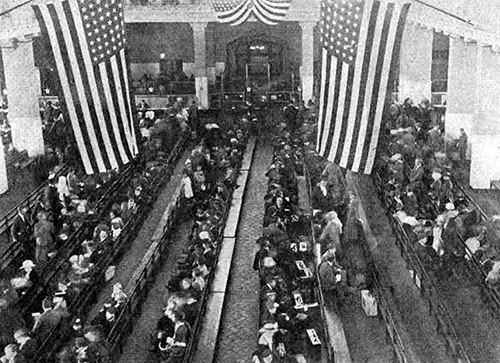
x: 369, y: 303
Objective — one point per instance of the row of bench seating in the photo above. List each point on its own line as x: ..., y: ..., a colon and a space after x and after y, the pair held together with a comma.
x: 438, y: 309
x: 80, y: 304
x: 144, y: 276
x: 489, y: 293
x: 11, y: 251
x: 204, y: 348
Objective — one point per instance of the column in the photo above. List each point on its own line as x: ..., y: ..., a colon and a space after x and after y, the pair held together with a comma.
x: 415, y: 63
x: 22, y: 79
x: 307, y: 67
x: 460, y: 107
x: 485, y: 132
x: 200, y: 63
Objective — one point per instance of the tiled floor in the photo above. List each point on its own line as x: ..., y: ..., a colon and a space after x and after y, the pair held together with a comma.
x: 240, y: 319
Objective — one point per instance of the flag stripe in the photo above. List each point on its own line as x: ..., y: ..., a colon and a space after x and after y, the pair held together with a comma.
x: 397, y: 32
x: 347, y: 96
x: 339, y: 67
x: 65, y: 27
x: 69, y: 59
x: 330, y: 100
x: 116, y: 106
x: 121, y: 103
x: 343, y: 105
x: 362, y: 37
x: 364, y: 83
x: 350, y: 121
x: 263, y: 15
x: 112, y: 113
x: 377, y: 61
x: 79, y: 40
x: 89, y: 163
x: 127, y: 117
x: 130, y: 104
x: 325, y: 59
x: 236, y: 15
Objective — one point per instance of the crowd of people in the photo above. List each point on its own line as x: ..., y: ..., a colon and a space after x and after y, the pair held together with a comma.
x: 209, y: 176
x: 290, y: 321
x: 417, y: 183
x: 85, y: 220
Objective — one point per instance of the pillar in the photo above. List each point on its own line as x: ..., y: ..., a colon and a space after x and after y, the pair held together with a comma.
x: 22, y: 81
x: 460, y: 107
x: 415, y: 63
x: 485, y: 132
x: 200, y: 63
x: 307, y: 67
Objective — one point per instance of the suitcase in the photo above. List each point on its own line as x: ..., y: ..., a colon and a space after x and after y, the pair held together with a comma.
x: 369, y: 303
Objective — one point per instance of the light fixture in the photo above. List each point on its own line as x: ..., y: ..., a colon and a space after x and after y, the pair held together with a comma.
x: 162, y: 55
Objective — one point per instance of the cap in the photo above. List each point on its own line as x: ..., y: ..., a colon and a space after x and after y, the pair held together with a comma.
x: 27, y: 264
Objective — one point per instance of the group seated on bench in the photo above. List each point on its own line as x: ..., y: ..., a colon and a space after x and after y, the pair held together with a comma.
x: 416, y: 183
x: 290, y: 318
x: 70, y: 284
x: 209, y: 177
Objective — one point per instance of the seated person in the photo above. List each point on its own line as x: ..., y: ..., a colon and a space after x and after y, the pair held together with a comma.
x: 30, y: 278
x: 116, y: 224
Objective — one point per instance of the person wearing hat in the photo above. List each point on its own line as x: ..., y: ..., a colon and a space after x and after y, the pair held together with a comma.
x: 20, y: 232
x: 30, y: 278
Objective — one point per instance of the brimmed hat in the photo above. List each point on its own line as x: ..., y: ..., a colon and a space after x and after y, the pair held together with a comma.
x: 27, y: 264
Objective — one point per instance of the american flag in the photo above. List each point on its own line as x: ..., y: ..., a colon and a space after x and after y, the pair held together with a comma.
x: 87, y: 38
x: 236, y: 12
x: 360, y: 42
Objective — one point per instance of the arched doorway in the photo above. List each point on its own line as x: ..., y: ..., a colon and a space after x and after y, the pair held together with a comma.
x: 259, y: 62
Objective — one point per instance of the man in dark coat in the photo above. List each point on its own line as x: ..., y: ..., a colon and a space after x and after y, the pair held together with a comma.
x: 21, y: 232
x: 47, y: 321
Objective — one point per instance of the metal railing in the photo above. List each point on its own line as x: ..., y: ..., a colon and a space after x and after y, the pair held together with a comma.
x: 80, y: 303
x: 144, y: 276
x: 426, y: 284
x: 14, y: 249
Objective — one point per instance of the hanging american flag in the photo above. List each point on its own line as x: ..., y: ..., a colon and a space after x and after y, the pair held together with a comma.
x: 236, y: 12
x: 360, y: 42
x: 87, y: 38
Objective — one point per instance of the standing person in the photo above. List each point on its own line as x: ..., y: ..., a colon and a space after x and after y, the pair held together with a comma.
x: 21, y: 232
x: 51, y: 200
x: 462, y: 146
x: 44, y: 235
x: 330, y: 237
x: 352, y: 221
x: 332, y: 277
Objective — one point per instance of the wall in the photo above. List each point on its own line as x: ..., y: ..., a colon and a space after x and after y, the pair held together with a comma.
x: 220, y: 35
x: 146, y: 41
